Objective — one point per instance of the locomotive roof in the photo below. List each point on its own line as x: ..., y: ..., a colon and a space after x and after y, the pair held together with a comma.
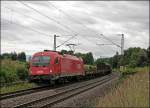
x: 49, y: 52
x: 71, y: 57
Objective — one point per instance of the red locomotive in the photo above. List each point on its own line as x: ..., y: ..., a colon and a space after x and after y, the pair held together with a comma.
x: 52, y: 65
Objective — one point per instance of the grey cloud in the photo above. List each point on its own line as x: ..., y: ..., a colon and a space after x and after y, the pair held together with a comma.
x: 7, y: 36
x: 130, y: 18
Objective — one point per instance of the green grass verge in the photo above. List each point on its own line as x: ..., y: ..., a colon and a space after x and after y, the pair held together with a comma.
x: 16, y: 87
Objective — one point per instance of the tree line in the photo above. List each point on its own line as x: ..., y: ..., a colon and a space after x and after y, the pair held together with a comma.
x: 133, y: 57
x: 14, y: 56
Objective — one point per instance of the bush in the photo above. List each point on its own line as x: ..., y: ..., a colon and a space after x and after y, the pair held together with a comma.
x: 12, y: 71
x: 129, y: 71
x: 22, y: 73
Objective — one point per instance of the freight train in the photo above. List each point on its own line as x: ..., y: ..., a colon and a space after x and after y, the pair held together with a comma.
x: 52, y: 66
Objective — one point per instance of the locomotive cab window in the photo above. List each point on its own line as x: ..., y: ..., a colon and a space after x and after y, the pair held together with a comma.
x: 41, y: 61
x: 56, y: 60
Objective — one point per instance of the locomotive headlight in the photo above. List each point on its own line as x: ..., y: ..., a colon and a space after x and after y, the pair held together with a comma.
x: 50, y: 71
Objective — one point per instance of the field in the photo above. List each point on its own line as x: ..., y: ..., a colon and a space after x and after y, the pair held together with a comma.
x: 133, y: 91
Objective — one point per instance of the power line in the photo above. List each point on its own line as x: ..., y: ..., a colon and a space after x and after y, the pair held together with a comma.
x: 81, y: 23
x: 37, y: 20
x: 28, y: 16
x: 104, y: 44
x: 32, y: 18
x: 8, y: 22
x: 45, y: 15
x: 50, y: 19
x: 110, y: 40
x: 66, y: 41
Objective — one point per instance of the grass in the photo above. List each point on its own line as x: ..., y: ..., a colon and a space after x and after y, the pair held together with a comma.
x: 132, y: 92
x: 16, y: 87
x: 12, y: 71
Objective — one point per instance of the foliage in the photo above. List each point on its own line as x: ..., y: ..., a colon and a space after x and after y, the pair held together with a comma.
x: 14, y: 56
x: 21, y: 56
x: 103, y: 60
x: 12, y: 71
x: 148, y: 54
x: 132, y: 57
x: 128, y: 71
x: 87, y: 58
x: 22, y: 72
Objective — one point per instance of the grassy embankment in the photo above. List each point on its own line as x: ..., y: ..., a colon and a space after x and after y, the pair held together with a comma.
x: 133, y: 91
x: 13, y: 71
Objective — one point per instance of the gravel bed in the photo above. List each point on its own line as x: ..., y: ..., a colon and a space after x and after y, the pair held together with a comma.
x: 41, y: 103
x: 27, y: 98
x: 88, y: 98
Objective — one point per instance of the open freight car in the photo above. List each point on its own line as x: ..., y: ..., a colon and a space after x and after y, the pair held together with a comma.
x: 103, y: 68
x: 99, y: 69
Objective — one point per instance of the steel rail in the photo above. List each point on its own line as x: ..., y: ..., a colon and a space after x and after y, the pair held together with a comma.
x: 72, y: 93
x: 22, y: 92
x: 27, y: 104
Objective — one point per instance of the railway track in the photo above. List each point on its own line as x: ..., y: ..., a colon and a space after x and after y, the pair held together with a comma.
x: 23, y: 92
x: 64, y: 94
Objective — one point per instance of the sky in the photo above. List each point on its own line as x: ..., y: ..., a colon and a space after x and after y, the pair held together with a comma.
x: 30, y: 26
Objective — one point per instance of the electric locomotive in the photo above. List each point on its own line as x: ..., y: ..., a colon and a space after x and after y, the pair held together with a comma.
x: 52, y: 65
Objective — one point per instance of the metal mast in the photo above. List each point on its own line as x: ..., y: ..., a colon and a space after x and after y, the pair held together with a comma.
x: 122, y: 44
x: 55, y: 42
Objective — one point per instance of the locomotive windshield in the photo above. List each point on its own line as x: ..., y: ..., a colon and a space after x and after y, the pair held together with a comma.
x: 41, y: 61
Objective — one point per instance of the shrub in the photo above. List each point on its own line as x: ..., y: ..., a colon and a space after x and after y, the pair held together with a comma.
x: 128, y: 71
x: 12, y: 71
x: 22, y: 73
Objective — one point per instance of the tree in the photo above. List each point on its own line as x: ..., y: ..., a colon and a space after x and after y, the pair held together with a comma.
x: 6, y: 56
x: 63, y: 52
x: 142, y: 58
x: 89, y: 58
x: 22, y: 56
x: 70, y: 52
x: 14, y: 56
x: 148, y: 55
x: 115, y: 60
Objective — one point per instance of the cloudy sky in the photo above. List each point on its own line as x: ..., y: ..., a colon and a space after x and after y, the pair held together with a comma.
x: 30, y: 25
